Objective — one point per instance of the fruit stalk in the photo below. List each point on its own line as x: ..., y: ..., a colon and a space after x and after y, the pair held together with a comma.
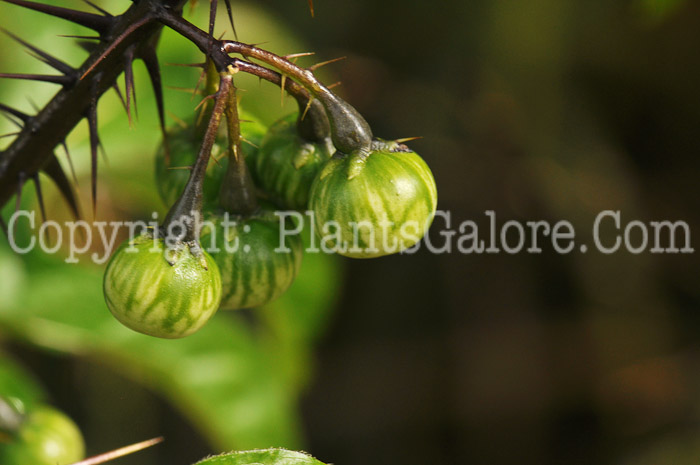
x: 349, y: 130
x: 187, y: 209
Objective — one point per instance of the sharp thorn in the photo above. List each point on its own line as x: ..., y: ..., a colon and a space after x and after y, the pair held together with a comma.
x: 39, y: 197
x: 121, y: 452
x: 118, y: 91
x: 115, y: 43
x: 20, y: 185
x: 94, y: 143
x: 213, y: 5
x: 16, y: 113
x: 54, y: 170
x: 230, y: 18
x: 243, y: 139
x: 188, y: 65
x: 324, y: 63
x: 298, y: 55
x: 70, y: 162
x: 95, y: 22
x: 179, y: 121
x: 335, y: 84
x: 204, y: 100
x: 311, y: 7
x: 61, y: 79
x: 129, y: 80
x: 52, y: 61
x: 13, y: 120
x: 150, y: 59
x: 67, y: 36
x: 282, y: 84
x: 408, y: 139
x: 306, y: 109
x: 101, y: 10
x: 189, y: 167
x: 42, y: 208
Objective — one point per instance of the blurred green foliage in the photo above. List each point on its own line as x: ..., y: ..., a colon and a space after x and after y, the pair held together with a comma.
x: 238, y: 380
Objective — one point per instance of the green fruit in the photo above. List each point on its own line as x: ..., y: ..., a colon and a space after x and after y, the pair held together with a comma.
x: 253, y: 272
x: 286, y: 164
x: 373, y: 205
x: 45, y: 437
x: 184, y: 147
x: 161, y: 292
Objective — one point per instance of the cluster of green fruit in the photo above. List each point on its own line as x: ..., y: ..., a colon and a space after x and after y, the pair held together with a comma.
x: 361, y: 200
x: 37, y: 435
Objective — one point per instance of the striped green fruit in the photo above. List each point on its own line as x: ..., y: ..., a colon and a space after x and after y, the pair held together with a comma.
x: 46, y: 437
x: 286, y: 164
x: 161, y: 292
x: 257, y: 266
x: 184, y: 147
x: 373, y: 205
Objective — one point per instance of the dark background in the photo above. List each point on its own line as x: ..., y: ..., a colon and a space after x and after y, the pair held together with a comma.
x: 537, y: 110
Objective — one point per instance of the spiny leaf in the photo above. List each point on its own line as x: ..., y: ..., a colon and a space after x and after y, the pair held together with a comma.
x: 50, y: 60
x: 54, y: 170
x: 95, y: 22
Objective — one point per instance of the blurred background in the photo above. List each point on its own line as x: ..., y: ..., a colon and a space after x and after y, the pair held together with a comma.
x: 540, y: 110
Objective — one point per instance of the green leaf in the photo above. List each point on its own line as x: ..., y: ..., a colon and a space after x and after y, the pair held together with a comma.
x: 262, y: 457
x: 237, y: 383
